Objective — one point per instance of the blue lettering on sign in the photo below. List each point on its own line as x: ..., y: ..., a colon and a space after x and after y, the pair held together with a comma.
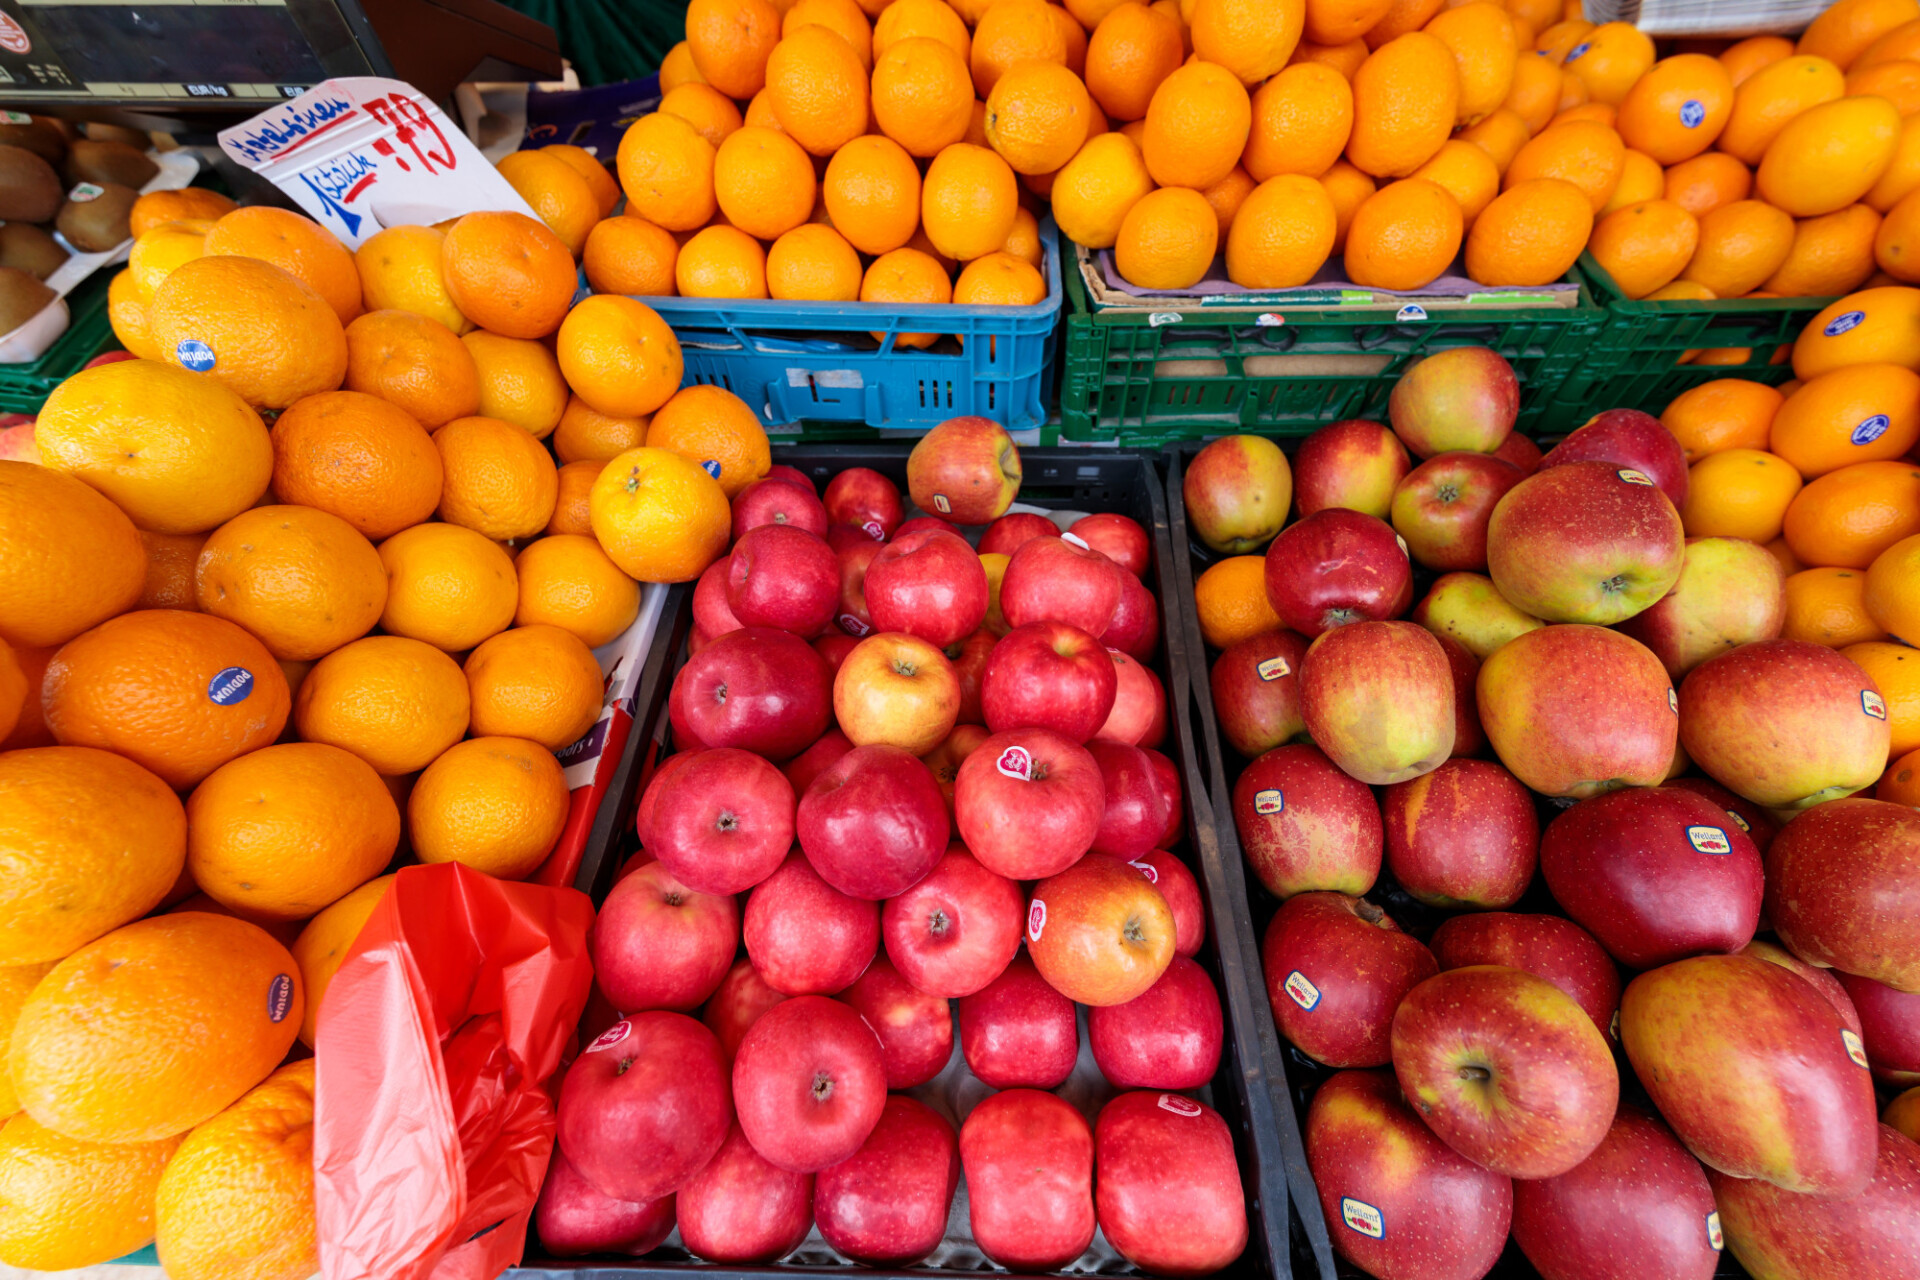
x: 1577, y: 50
x: 1843, y: 322
x: 230, y: 686
x: 287, y: 129
x: 1870, y: 430
x: 339, y: 181
x: 1692, y: 112
x: 194, y: 354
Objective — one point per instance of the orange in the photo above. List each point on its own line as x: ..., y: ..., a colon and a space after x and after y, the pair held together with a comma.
x: 284, y: 832
x: 30, y: 729
x: 1037, y: 116
x: 1894, y: 45
x: 1728, y: 413
x: 606, y: 191
x: 170, y: 561
x: 571, y: 511
x: 68, y: 557
x: 1610, y: 59
x: 449, y: 586
x: 413, y: 363
x: 922, y: 95
x: 1897, y: 82
x: 1301, y: 120
x: 1845, y: 29
x: 1589, y: 155
x: 297, y: 245
x: 1348, y: 189
x: 236, y: 1201
x: 394, y: 702
x: 1738, y: 493
x: 271, y: 338
x: 711, y: 112
x: 1598, y: 112
x: 1828, y: 606
x: 1901, y: 783
x: 1500, y: 134
x: 92, y: 839
x: 1746, y: 58
x: 400, y: 271
x: 1829, y: 156
x: 500, y: 482
x: 1706, y: 182
x: 17, y: 982
x: 677, y: 69
x: 659, y: 516
x: 539, y: 682
x: 1231, y: 598
x: 630, y: 255
x: 568, y: 581
x: 1893, y: 588
x: 1831, y: 254
x: 1466, y: 173
x: 1224, y: 197
x: 1023, y: 242
x: 1401, y: 17
x: 1404, y: 236
x: 177, y: 452
x: 1895, y: 670
x: 157, y: 207
x: 302, y: 581
x: 1406, y: 98
x: 666, y: 169
x: 1020, y: 30
x: 508, y: 273
x: 1344, y: 58
x: 721, y: 262
x: 1896, y: 245
x: 817, y: 87
x: 872, y: 193
x: 1336, y: 23
x: 180, y: 693
x: 1868, y: 327
x: 1573, y: 93
x: 934, y: 19
x: 496, y: 804
x: 1167, y: 240
x: 1534, y: 97
x: 520, y: 380
x: 813, y: 263
x: 66, y: 1203
x: 1251, y: 39
x: 1773, y: 95
x: 1002, y: 280
x: 323, y: 945
x: 556, y: 191
x: 713, y: 427
x: 1481, y: 39
x: 968, y: 199
x: 619, y: 356
x: 907, y: 276
x: 1557, y: 39
x: 159, y: 251
x: 1645, y: 245
x: 1741, y: 245
x: 586, y: 434
x: 1196, y: 126
x: 1846, y: 518
x: 1865, y: 413
x: 1676, y: 110
x: 13, y: 683
x: 1093, y: 191
x: 1282, y: 235
x: 759, y: 113
x: 1902, y: 175
x: 730, y: 41
x: 1641, y: 178
x: 127, y: 313
x: 1131, y: 51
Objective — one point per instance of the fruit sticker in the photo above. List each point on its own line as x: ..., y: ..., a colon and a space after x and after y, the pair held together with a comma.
x: 1634, y: 477
x: 1870, y: 429
x: 1274, y: 668
x: 1692, y: 112
x: 16, y: 117
x: 1075, y: 540
x: 230, y: 686
x: 1301, y: 991
x: 1873, y: 704
x: 1709, y: 840
x: 1673, y: 700
x: 1740, y: 822
x: 86, y: 193
x: 941, y: 504
x: 711, y: 467
x: 1269, y: 802
x: 1362, y: 1217
x: 1016, y: 762
x: 1036, y: 919
x: 194, y: 354
x: 1855, y: 1050
x: 1178, y: 1105
x: 280, y: 997
x: 852, y: 625
x: 612, y: 1036
x: 1412, y: 311
x: 1613, y: 1027
x: 1714, y: 1238
x: 1403, y: 548
x: 875, y: 530
x: 1147, y: 869
x: 1844, y: 321
x: 1578, y: 51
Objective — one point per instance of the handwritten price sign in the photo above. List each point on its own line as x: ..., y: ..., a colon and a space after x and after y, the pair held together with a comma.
x: 362, y: 153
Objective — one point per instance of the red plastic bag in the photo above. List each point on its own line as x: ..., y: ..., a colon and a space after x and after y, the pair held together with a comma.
x: 432, y: 1127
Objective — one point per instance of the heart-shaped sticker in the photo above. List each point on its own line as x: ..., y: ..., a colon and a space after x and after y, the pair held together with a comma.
x: 1016, y: 762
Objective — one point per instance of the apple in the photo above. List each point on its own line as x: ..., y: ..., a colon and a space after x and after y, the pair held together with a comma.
x: 1903, y: 1113
x: 1236, y: 492
x: 1468, y: 608
x: 927, y: 524
x: 1168, y: 1037
x: 865, y: 499
x: 1156, y: 734
x: 1353, y: 463
x: 792, y: 475
x: 1757, y: 821
x: 1170, y: 1198
x: 1465, y: 398
x: 1050, y: 579
x: 1585, y: 542
x: 873, y: 823
x: 1548, y: 947
x: 945, y: 759
x: 1305, y: 825
x: 778, y: 501
x: 1028, y: 1161
x: 1028, y: 803
x: 1627, y: 438
x: 1577, y: 710
x: 811, y: 763
x: 1874, y: 1235
x: 1134, y: 628
x: 1170, y: 786
x: 758, y: 689
x: 1749, y: 1065
x: 645, y: 1106
x: 1017, y: 1031
x: 1464, y: 835
x: 1256, y: 692
x: 1730, y: 593
x: 1176, y: 884
x: 1005, y: 535
x: 915, y: 1029
x: 1469, y: 735
x: 1638, y: 1206
x: 956, y: 930
x: 1049, y: 675
x: 928, y: 584
x: 1443, y: 506
x: 967, y: 468
x: 886, y: 1205
x: 711, y: 614
x: 1336, y: 567
x: 841, y: 536
x: 896, y: 690
x: 721, y: 821
x: 1378, y: 699
x: 1139, y: 704
x: 1119, y: 538
x: 783, y: 576
x: 657, y: 944
x: 1099, y: 932
x: 1822, y: 980
x: 1889, y: 1028
x: 1337, y: 967
x: 1399, y: 1203
x: 574, y: 1217
x: 1843, y: 889
x: 809, y: 1082
x: 803, y: 935
x: 16, y: 441
x: 833, y: 648
x: 741, y: 1209
x: 743, y: 995
x: 994, y: 565
x: 969, y: 659
x: 1521, y: 452
x: 851, y: 615
x: 1135, y: 812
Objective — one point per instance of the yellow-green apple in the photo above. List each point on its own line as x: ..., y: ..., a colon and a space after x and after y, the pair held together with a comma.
x: 1443, y: 505
x: 1627, y: 438
x: 1304, y: 824
x: 1337, y: 967
x: 575, y: 1218
x: 1134, y: 628
x: 1903, y: 1113
x: 782, y: 576
x: 1335, y: 567
x: 1462, y: 399
x: 1577, y: 710
x: 1755, y: 1071
x: 771, y: 501
x: 915, y: 1029
x: 740, y: 1209
x: 743, y: 995
x: 758, y: 688
x: 720, y: 821
x: 1585, y: 542
x: 1638, y: 1206
x: 1028, y: 803
x: 1521, y: 452
x: 1756, y: 820
x: 1005, y: 535
x: 1785, y: 723
x: 873, y: 822
x: 994, y: 565
x: 1822, y: 980
x: 1400, y: 1204
x: 927, y: 584
x: 1028, y: 1161
x: 866, y: 500
x: 1467, y: 607
x: 1136, y: 811
x: 1547, y: 947
x: 1182, y: 892
x: 1049, y: 675
x: 1874, y: 1235
x: 652, y: 1083
x: 956, y: 930
x: 657, y: 944
x: 808, y: 1083
x: 710, y: 612
x: 1139, y: 704
x: 1017, y: 1031
x: 1889, y: 1028
x: 1237, y: 491
x: 969, y: 659
x: 809, y: 764
x: 1463, y: 836
x: 804, y: 936
x: 1469, y: 735
x: 886, y: 1205
x: 1256, y: 691
x: 945, y: 760
x: 1168, y: 1037
x: 966, y: 469
x: 1378, y: 699
x: 1119, y: 538
x: 1052, y: 579
x: 898, y: 690
x: 1170, y: 1198
x: 1506, y: 1068
x: 1731, y: 592
x: 1099, y: 932
x: 1354, y: 463
x: 1843, y: 889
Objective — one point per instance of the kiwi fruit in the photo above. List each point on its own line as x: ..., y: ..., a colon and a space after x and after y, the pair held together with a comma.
x: 98, y: 132
x: 40, y: 135
x: 30, y: 190
x: 105, y: 162
x: 96, y: 225
x: 30, y: 249
x: 21, y: 298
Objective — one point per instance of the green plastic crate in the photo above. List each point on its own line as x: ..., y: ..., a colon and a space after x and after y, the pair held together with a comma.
x: 25, y: 387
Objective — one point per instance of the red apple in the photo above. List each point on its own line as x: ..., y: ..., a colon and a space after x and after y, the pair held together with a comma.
x: 1006, y: 534
x: 1443, y: 506
x: 722, y: 821
x: 1136, y: 812
x: 1169, y: 774
x: 1028, y: 1159
x: 874, y: 823
x: 969, y: 659
x: 785, y: 577
x: 1627, y: 438
x: 1256, y: 692
x: 1305, y: 825
x: 1119, y: 538
x: 659, y: 945
x: 1874, y: 1235
x: 915, y: 1029
x: 1170, y: 1198
x: 896, y: 690
x: 1337, y: 967
x: 1168, y: 1037
x: 833, y: 648
x: 1463, y: 398
x: 809, y: 1082
x: 1335, y: 567
x: 1236, y: 492
x: 1469, y: 735
x: 1468, y: 608
x: 16, y: 440
x: 803, y: 935
x: 967, y: 468
x: 1378, y: 699
x: 1822, y: 980
x: 1521, y: 452
x: 945, y: 760
x: 1176, y: 884
x: 1843, y: 889
x: 758, y: 689
x: 777, y: 501
x: 1547, y: 947
x: 1730, y: 593
x: 1756, y: 821
x: 645, y: 1106
x: 1017, y: 1031
x: 928, y: 584
x: 842, y: 536
x: 1050, y: 579
x: 851, y: 615
x: 1134, y: 628
x: 865, y: 499
x: 1048, y: 675
x: 957, y: 929
x: 1354, y: 464
x: 811, y: 763
x: 741, y: 1209
x: 926, y: 524
x: 1464, y: 835
x: 711, y: 614
x: 575, y: 1218
x: 1585, y: 542
x: 743, y: 995
x: 1099, y: 932
x: 1889, y: 1028
x: 1028, y: 803
x: 792, y: 475
x: 697, y: 639
x: 886, y: 1205
x: 1138, y: 704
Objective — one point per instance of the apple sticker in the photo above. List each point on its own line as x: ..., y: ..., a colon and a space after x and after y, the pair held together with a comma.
x: 1634, y: 477
x: 1036, y: 920
x: 1178, y: 1105
x: 1873, y: 704
x: 1075, y: 540
x: 1016, y: 762
x: 1714, y: 1238
x: 612, y: 1036
x: 1709, y: 840
x: 1302, y: 991
x: 1270, y: 801
x: 1362, y: 1217
x: 1273, y: 669
x: 1855, y: 1050
x: 1147, y: 869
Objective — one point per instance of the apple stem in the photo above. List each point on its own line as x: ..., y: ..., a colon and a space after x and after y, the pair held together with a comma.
x: 1132, y: 931
x: 727, y: 821
x: 1368, y: 911
x: 1476, y: 1074
x: 938, y: 923
x: 621, y: 1067
x: 1614, y: 585
x: 822, y: 1087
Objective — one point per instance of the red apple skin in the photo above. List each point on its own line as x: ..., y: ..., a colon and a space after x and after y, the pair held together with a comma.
x: 1167, y: 1038
x: 758, y: 689
x: 1823, y: 980
x: 809, y: 1082
x: 1584, y: 542
x: 777, y: 501
x: 1399, y: 1203
x: 740, y: 1209
x: 1354, y: 464
x: 1236, y: 491
x: 814, y: 761
x: 1730, y: 593
x: 1018, y: 1032
x: 1170, y: 786
x: 945, y: 760
x: 697, y: 640
x: 1627, y: 438
x: 1337, y: 967
x: 1747, y: 1063
x: 657, y: 944
x: 1170, y: 1197
x: 896, y: 690
x: 841, y: 536
x: 1099, y: 932
x: 645, y: 1106
x: 722, y: 821
x: 743, y: 995
x: 1469, y: 735
x: 1138, y: 704
x: 1305, y: 825
x: 969, y: 659
x: 1048, y: 675
x: 874, y: 823
x: 926, y: 524
x: 1335, y: 567
x: 1006, y: 534
x: 915, y: 1029
x: 1051, y: 580
x: 711, y: 613
x: 833, y: 649
x: 1546, y: 1088
x: 865, y: 499
x: 1176, y: 884
x: 851, y: 615
x: 1443, y: 506
x: 574, y: 1218
x: 784, y: 577
x: 1638, y: 1206
x: 1843, y: 889
x: 803, y: 935
x: 1134, y: 628
x: 1028, y: 1159
x: 1156, y: 734
x: 1135, y: 812
x: 1874, y: 1235
x: 886, y: 1205
x: 1032, y: 826
x: 792, y: 475
x: 1463, y: 399
x: 1256, y: 692
x: 1890, y: 1028
x: 966, y: 468
x: 1758, y: 822
x: 1463, y: 836
x: 1521, y: 452
x: 957, y: 929
x: 1378, y: 699
x: 928, y: 584
x: 1119, y: 538
x: 1548, y: 947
